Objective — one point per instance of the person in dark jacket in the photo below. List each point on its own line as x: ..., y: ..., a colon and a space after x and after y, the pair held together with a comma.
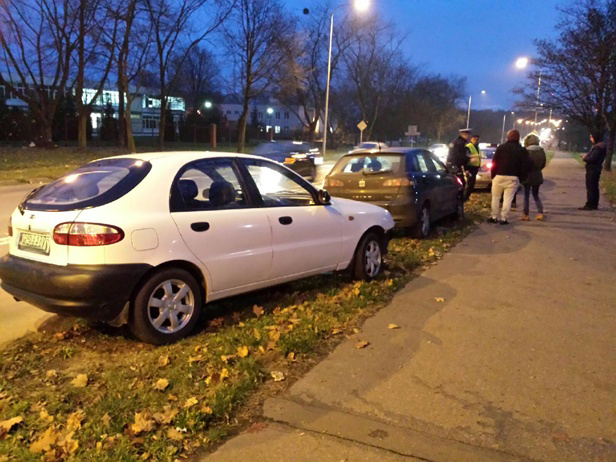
x: 459, y: 154
x: 594, y: 164
x: 535, y: 178
x: 510, y: 165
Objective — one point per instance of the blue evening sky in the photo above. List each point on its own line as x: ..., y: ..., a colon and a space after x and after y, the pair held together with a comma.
x: 477, y: 39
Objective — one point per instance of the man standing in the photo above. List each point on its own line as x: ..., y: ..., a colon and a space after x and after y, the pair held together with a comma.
x: 458, y: 154
x: 594, y: 163
x: 473, y: 164
x: 510, y: 165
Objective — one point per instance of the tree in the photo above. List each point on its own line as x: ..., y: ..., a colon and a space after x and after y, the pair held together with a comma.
x: 38, y: 40
x: 578, y: 69
x: 199, y: 77
x: 109, y: 125
x: 175, y: 34
x: 258, y: 36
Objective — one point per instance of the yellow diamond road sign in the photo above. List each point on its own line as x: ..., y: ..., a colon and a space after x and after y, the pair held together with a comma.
x: 362, y: 125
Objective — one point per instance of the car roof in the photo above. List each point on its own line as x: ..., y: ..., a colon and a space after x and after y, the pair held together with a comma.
x: 179, y: 156
x: 384, y: 151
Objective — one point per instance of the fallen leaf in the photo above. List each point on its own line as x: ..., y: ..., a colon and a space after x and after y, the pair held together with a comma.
x: 172, y: 397
x: 163, y: 361
x: 195, y: 359
x: 68, y: 444
x: 106, y: 420
x: 336, y: 331
x: 226, y: 358
x: 393, y: 326
x: 190, y: 402
x: 80, y: 381
x: 206, y: 409
x: 161, y: 384
x: 257, y: 310
x: 73, y: 421
x: 7, y: 425
x: 143, y: 423
x: 278, y: 376
x: 291, y: 357
x: 362, y: 344
x: 167, y: 416
x: 174, y: 435
x: 45, y: 442
x: 51, y: 374
x: 257, y: 333
x: 224, y: 374
x: 242, y: 351
x: 45, y: 417
x: 439, y: 299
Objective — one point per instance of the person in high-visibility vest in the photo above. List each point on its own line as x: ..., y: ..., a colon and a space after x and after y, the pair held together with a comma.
x: 473, y: 164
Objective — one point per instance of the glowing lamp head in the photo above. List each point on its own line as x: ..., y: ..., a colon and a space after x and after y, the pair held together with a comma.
x: 362, y: 5
x: 208, y: 104
x: 521, y: 63
x: 270, y: 110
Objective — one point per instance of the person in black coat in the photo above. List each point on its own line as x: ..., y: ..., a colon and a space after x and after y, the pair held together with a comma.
x: 459, y: 154
x: 594, y: 164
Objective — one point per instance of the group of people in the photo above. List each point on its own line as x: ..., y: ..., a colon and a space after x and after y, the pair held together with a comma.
x: 514, y: 165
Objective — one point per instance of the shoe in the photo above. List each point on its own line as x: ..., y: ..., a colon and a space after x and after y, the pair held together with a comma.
x: 504, y: 222
x: 524, y: 217
x: 492, y: 220
x: 539, y: 217
x: 587, y: 207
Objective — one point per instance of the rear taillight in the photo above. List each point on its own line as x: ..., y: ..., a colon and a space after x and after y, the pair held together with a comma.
x: 489, y: 165
x: 10, y: 226
x: 459, y: 181
x: 86, y: 234
x: 398, y: 182
x: 332, y: 183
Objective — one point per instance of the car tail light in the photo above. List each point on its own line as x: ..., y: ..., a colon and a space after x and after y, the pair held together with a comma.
x: 86, y: 234
x: 10, y: 226
x: 489, y: 165
x: 332, y: 183
x: 398, y: 182
x: 459, y: 181
x: 289, y: 160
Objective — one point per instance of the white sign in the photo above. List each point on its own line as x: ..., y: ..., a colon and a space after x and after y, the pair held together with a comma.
x: 412, y: 131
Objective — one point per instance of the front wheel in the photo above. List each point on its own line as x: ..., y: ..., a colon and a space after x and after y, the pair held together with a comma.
x: 166, y: 307
x: 368, y: 259
x: 421, y: 230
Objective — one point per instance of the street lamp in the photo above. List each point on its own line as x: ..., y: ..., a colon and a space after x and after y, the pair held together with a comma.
x: 270, y: 110
x: 360, y: 6
x: 208, y: 104
x: 468, y: 116
x: 505, y: 121
x: 522, y: 63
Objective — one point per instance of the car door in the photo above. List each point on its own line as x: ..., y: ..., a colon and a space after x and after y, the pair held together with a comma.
x: 448, y: 187
x: 220, y: 224
x: 306, y: 237
x: 425, y: 179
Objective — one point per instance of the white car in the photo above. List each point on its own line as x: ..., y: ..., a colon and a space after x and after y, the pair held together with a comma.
x: 147, y: 239
x: 370, y: 145
x: 441, y: 151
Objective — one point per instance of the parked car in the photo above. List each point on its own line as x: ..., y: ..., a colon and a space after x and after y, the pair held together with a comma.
x: 412, y: 184
x: 146, y: 239
x: 440, y: 150
x: 300, y: 156
x: 484, y: 175
x: 375, y: 145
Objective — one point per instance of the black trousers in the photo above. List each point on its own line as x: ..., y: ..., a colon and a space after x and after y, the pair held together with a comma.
x: 471, y: 173
x: 592, y: 186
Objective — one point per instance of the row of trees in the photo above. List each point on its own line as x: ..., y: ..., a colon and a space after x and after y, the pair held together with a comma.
x: 185, y: 47
x: 577, y: 69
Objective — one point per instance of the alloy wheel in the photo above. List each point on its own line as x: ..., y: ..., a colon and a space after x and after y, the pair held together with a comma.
x: 373, y: 258
x: 171, y: 306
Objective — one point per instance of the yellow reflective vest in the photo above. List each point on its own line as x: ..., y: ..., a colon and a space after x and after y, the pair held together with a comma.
x: 475, y: 160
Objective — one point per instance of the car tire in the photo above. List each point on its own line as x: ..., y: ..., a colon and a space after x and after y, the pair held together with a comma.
x: 157, y: 315
x: 459, y: 213
x: 368, y: 259
x: 421, y: 229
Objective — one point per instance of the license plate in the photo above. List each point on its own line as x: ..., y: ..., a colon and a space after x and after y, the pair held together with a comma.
x: 33, y: 242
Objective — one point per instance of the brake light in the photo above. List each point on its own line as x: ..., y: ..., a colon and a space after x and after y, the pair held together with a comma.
x: 459, y: 181
x: 10, y: 226
x: 86, y: 234
x: 332, y: 183
x: 489, y: 165
x: 398, y: 182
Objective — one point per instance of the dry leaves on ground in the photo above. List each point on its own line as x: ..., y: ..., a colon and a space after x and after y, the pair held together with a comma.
x: 362, y: 344
x: 74, y: 420
x: 242, y: 351
x: 45, y: 442
x: 439, y: 299
x: 393, y: 326
x: 7, y: 425
x: 80, y: 381
x: 190, y: 402
x: 278, y: 376
x: 161, y: 384
x: 143, y: 423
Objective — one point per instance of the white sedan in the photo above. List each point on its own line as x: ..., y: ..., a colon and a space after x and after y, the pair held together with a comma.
x: 148, y: 239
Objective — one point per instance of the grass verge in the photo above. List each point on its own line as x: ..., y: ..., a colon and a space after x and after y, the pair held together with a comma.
x: 608, y: 182
x: 94, y: 393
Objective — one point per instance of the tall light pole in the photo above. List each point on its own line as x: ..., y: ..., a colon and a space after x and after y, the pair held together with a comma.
x: 522, y: 63
x: 468, y: 116
x: 361, y: 6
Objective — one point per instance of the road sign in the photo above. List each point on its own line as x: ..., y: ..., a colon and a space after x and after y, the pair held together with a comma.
x: 412, y: 131
x: 362, y: 125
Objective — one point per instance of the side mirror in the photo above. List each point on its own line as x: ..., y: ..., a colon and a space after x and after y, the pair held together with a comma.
x: 324, y: 197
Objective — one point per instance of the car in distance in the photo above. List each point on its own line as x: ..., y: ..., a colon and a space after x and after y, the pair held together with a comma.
x: 370, y: 145
x: 147, y: 239
x: 300, y: 156
x: 440, y: 150
x: 484, y: 175
x: 412, y: 184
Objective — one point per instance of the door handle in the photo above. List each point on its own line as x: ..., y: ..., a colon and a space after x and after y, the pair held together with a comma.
x: 285, y: 220
x: 200, y: 226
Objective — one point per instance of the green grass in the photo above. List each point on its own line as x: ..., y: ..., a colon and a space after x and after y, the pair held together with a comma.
x: 549, y: 157
x: 608, y: 182
x: 219, y: 369
x: 577, y: 156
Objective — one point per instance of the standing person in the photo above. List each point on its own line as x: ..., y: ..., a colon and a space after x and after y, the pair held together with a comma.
x: 510, y: 164
x: 535, y: 178
x: 458, y: 154
x: 594, y: 163
x: 473, y: 164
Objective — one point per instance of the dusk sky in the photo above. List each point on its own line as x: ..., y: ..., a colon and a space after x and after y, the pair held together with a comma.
x: 478, y: 39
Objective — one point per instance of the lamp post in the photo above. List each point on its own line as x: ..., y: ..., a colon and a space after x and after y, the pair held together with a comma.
x: 468, y: 116
x: 522, y: 63
x: 504, y: 121
x: 360, y: 6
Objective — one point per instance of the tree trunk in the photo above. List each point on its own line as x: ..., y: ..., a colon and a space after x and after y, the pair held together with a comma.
x: 121, y: 114
x: 82, y: 128
x: 44, y: 133
x: 241, y: 130
x: 610, y: 150
x: 161, y: 127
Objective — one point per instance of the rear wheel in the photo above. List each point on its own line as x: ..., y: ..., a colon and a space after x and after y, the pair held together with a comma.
x: 368, y: 259
x: 421, y: 230
x: 166, y: 307
x: 459, y: 213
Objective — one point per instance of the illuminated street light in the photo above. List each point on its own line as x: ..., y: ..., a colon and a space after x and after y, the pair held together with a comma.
x: 270, y: 111
x: 522, y: 62
x: 362, y: 5
x: 208, y: 105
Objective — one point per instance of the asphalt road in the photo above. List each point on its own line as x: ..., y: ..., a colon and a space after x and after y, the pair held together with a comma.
x: 17, y: 318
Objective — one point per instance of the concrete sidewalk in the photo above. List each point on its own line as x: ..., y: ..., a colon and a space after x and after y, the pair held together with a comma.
x: 518, y: 363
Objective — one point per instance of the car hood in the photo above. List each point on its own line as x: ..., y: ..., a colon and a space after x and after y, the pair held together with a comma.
x: 364, y: 212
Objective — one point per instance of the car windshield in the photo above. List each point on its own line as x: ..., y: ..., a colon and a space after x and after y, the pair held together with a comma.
x: 94, y: 184
x: 368, y: 163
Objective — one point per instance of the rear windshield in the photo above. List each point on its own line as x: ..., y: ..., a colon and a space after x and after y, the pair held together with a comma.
x: 369, y: 163
x: 92, y: 185
x: 279, y: 148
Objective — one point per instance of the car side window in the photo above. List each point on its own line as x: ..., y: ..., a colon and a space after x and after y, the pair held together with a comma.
x: 425, y: 162
x: 209, y: 184
x: 278, y: 187
x: 440, y: 167
x: 412, y: 164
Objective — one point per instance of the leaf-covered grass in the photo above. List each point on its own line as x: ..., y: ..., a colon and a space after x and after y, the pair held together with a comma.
x: 608, y: 182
